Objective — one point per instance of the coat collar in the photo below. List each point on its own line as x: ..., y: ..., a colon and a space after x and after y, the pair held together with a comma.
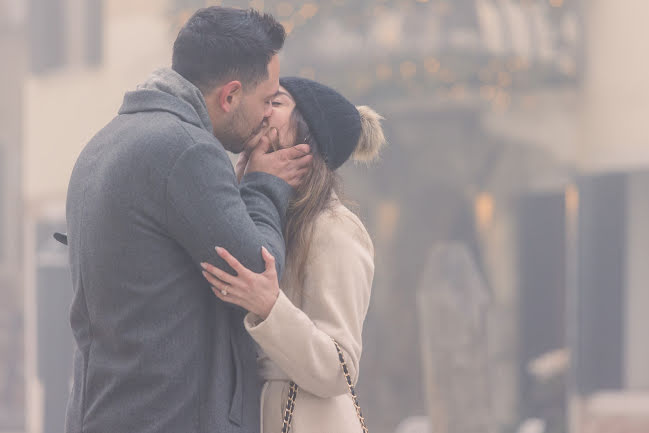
x: 166, y: 90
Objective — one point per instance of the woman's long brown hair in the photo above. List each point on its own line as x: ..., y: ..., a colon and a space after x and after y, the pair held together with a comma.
x: 311, y: 198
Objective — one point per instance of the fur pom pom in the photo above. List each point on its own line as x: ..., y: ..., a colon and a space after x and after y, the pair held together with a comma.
x: 372, y: 138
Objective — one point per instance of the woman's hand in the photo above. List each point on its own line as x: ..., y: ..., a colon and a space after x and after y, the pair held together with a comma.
x: 256, y: 293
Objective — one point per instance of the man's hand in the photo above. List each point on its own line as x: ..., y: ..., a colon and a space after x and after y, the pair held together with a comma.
x: 290, y: 164
x: 242, y: 162
x: 249, y: 146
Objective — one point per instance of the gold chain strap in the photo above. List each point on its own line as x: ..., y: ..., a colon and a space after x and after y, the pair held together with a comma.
x: 352, y: 391
x: 290, y: 407
x: 292, y: 394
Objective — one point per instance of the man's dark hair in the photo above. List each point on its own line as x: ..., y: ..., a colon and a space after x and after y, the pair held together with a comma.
x: 219, y: 44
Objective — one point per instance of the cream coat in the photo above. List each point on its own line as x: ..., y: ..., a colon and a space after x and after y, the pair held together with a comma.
x: 295, y: 339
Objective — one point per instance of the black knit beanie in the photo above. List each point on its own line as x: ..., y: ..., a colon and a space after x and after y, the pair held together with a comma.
x: 333, y: 120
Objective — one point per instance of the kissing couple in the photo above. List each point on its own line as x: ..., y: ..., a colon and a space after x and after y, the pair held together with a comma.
x: 210, y: 297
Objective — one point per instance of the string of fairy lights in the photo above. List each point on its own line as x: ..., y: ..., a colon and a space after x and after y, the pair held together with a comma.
x: 446, y: 74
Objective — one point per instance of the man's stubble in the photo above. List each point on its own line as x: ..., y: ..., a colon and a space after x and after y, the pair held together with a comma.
x: 238, y: 134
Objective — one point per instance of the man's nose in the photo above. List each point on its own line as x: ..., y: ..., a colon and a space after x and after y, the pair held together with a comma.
x: 268, y: 112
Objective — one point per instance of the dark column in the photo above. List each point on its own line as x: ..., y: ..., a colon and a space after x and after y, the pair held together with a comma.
x: 542, y: 299
x: 601, y: 257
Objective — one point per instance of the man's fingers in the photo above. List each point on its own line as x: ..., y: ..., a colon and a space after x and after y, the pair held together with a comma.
x: 292, y: 165
x: 263, y: 146
x: 301, y: 174
x: 273, y: 137
x: 302, y: 148
x: 295, y: 152
x: 253, y: 141
x: 303, y: 162
x: 269, y: 140
x: 298, y: 178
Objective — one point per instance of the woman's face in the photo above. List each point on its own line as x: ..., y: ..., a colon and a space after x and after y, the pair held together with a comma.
x: 283, y: 106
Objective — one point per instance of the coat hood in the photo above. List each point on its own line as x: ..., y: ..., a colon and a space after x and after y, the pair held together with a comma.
x: 166, y: 90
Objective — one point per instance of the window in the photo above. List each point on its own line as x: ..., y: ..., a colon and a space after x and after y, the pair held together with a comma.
x: 94, y: 31
x: 47, y: 34
x: 65, y: 32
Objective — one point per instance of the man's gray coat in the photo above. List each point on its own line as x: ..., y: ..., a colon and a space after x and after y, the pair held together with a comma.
x: 150, y: 197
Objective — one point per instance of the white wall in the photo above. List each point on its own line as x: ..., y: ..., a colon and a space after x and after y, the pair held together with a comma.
x: 615, y: 100
x: 64, y: 110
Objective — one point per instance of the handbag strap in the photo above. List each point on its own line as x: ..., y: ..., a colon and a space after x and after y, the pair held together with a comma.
x: 292, y: 395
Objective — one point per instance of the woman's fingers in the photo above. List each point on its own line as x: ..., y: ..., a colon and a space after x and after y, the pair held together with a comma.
x: 229, y: 298
x: 253, y: 292
x: 220, y: 274
x: 231, y: 260
x: 225, y: 290
x: 215, y: 282
x: 269, y: 260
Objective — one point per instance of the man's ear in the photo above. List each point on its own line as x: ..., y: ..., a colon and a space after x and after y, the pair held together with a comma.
x: 230, y: 95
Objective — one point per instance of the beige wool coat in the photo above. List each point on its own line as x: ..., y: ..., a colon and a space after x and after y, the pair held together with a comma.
x: 295, y: 339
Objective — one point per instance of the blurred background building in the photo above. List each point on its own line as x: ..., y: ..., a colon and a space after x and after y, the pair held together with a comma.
x: 509, y: 213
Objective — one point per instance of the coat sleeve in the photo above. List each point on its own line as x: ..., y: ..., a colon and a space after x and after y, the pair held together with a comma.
x: 206, y: 208
x: 335, y: 299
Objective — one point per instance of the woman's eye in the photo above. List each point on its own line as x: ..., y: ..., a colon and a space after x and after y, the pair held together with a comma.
x: 276, y: 104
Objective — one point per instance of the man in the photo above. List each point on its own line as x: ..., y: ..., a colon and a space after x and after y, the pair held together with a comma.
x: 150, y: 197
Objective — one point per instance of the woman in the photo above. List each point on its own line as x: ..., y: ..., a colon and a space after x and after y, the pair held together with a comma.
x: 325, y: 289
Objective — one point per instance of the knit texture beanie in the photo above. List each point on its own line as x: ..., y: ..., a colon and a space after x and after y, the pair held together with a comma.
x: 341, y: 129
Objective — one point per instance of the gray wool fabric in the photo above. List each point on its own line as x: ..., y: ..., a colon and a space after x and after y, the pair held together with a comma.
x: 150, y: 197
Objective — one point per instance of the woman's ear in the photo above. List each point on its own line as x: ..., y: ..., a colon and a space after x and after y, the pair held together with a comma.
x: 229, y: 96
